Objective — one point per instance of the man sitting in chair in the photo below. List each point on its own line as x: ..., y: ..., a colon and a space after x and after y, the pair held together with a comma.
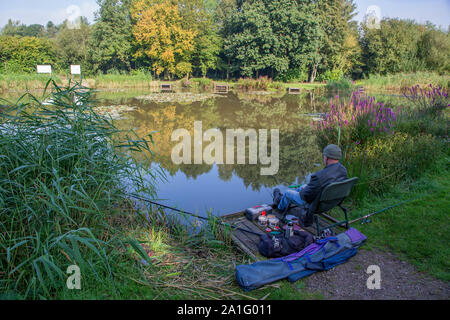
x: 334, y: 171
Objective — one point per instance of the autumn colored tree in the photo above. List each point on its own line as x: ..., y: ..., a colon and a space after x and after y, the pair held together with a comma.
x: 160, y: 35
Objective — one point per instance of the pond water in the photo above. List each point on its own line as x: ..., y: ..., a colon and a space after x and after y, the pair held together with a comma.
x: 223, y: 188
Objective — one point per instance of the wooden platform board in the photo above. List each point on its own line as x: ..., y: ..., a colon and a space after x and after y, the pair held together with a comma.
x: 248, y: 242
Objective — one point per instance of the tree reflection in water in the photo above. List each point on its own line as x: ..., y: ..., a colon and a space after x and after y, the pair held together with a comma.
x: 226, y: 188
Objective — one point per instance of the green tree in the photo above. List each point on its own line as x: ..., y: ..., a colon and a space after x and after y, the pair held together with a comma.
x: 392, y: 48
x: 207, y: 41
x: 51, y: 30
x: 73, y: 45
x: 111, y: 44
x: 22, y: 54
x: 15, y: 28
x: 264, y: 37
x: 433, y: 48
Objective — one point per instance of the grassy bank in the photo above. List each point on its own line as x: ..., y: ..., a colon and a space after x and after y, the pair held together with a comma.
x: 417, y: 231
x: 24, y: 82
x: 397, y: 82
x: 400, y: 81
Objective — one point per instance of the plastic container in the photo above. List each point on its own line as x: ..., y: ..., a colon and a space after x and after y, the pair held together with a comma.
x: 262, y: 219
x: 273, y: 222
x: 253, y: 213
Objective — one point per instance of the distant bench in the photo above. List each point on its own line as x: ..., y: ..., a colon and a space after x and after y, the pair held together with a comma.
x: 166, y: 87
x: 221, y: 88
x: 294, y: 90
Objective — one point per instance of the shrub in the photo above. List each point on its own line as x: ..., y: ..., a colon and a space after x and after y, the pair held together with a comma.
x: 23, y: 54
x: 331, y: 75
x: 203, y: 83
x: 342, y: 84
x: 425, y: 112
x: 293, y: 75
x: 355, y: 121
x: 429, y: 101
x: 383, y: 147
x: 262, y: 83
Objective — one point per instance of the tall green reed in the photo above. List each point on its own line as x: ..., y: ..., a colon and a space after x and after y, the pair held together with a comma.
x: 63, y: 172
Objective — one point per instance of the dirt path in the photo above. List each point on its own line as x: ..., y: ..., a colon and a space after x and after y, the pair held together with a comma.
x: 399, y: 280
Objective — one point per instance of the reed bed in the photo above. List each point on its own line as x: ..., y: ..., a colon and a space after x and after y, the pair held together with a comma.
x: 25, y: 82
x: 62, y: 176
x: 403, y: 81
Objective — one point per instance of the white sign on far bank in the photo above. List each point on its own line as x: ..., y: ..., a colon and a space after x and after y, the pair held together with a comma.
x: 75, y: 69
x: 44, y: 69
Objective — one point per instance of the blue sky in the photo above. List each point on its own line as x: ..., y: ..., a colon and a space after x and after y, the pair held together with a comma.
x: 41, y: 11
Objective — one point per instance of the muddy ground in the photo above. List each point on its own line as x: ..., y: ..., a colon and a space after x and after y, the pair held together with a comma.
x: 399, y: 280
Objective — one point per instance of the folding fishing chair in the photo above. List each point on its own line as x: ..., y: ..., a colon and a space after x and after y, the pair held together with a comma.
x: 331, y: 196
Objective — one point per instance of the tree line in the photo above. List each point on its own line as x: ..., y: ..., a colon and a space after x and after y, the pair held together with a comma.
x: 286, y: 40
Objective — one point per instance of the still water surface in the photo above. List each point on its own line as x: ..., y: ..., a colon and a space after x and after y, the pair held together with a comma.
x: 222, y: 188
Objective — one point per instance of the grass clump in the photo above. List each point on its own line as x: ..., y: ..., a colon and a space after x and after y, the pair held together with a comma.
x: 25, y: 81
x: 261, y: 83
x: 343, y: 84
x: 63, y: 173
x: 201, y: 83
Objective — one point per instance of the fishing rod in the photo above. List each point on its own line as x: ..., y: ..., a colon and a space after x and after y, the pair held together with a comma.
x: 366, y: 219
x: 138, y: 197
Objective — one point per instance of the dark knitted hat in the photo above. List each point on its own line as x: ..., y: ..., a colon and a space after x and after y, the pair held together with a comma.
x: 332, y: 151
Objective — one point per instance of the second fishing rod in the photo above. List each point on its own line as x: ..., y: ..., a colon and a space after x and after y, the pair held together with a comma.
x: 139, y: 197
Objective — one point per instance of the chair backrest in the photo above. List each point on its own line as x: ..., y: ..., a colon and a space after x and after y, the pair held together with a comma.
x: 333, y: 194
